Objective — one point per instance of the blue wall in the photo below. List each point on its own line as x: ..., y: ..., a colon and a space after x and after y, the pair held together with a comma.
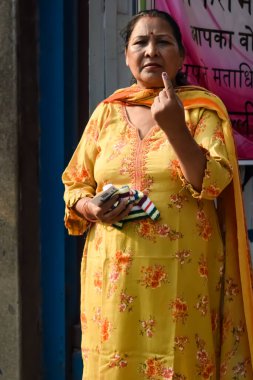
x: 58, y: 127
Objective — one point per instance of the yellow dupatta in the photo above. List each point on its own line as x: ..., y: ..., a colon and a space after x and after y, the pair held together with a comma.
x: 230, y: 202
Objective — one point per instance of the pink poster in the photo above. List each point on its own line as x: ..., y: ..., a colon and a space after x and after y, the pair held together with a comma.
x: 218, y: 37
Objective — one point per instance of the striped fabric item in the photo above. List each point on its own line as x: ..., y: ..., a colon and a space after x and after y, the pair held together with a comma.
x: 143, y: 206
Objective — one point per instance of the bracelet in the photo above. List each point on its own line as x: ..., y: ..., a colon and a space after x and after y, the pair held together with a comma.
x: 85, y: 211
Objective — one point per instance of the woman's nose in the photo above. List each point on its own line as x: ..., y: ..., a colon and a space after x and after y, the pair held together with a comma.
x: 151, y: 49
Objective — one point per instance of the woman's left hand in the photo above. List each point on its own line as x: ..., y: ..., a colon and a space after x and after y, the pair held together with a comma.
x: 168, y: 112
x: 167, y: 109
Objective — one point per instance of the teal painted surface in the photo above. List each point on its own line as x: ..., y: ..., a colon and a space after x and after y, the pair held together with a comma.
x: 77, y: 365
x: 58, y: 124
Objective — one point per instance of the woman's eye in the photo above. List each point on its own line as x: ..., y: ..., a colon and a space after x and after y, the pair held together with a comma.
x: 141, y: 42
x: 165, y: 42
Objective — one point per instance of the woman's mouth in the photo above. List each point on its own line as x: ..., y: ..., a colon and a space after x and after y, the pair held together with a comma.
x: 152, y: 66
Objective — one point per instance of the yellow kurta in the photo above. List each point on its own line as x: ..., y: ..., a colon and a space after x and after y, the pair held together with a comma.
x: 152, y: 293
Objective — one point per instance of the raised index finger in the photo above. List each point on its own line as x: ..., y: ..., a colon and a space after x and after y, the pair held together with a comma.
x: 167, y: 84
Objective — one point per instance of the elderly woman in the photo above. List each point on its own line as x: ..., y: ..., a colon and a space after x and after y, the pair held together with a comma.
x: 162, y: 296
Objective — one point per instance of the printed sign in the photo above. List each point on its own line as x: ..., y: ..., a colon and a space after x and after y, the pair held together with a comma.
x: 218, y: 37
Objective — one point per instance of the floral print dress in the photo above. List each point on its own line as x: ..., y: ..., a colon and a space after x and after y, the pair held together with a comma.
x: 151, y: 292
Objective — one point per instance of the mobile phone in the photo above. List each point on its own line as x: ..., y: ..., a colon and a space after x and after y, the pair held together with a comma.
x: 102, y: 197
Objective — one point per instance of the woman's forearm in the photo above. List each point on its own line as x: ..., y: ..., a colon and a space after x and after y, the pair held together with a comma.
x: 191, y: 158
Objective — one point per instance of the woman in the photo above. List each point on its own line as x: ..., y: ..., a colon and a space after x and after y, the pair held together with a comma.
x: 160, y: 299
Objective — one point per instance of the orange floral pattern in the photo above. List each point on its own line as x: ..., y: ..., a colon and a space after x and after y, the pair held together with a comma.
x: 98, y: 240
x: 231, y: 289
x: 180, y: 343
x: 121, y: 263
x: 78, y: 173
x: 98, y: 280
x: 153, y: 276
x: 106, y: 328
x: 147, y: 327
x: 208, y: 174
x: 218, y: 134
x: 179, y: 310
x: 150, y: 230
x: 92, y: 130
x: 205, y: 366
x: 105, y: 325
x: 183, y: 256
x: 154, y: 369
x: 177, y: 201
x: 85, y: 353
x: 174, y: 167
x: 212, y: 190
x: 203, y: 268
x: 119, y: 361
x: 203, y: 225
x: 202, y: 125
x: 163, y: 230
x: 83, y: 321
x: 191, y: 126
x: 138, y: 157
x: 126, y: 302
x: 117, y: 150
x: 146, y: 229
x: 242, y: 368
x: 226, y: 326
x: 202, y: 305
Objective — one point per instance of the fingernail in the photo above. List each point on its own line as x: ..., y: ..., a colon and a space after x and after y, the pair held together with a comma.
x: 164, y: 74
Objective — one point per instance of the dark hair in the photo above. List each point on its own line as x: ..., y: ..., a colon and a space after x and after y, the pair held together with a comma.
x: 127, y: 31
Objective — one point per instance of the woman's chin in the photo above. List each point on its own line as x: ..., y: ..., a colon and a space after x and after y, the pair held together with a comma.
x: 151, y: 80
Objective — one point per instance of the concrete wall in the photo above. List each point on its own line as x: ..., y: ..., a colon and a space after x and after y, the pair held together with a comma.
x: 9, y: 284
x: 107, y: 68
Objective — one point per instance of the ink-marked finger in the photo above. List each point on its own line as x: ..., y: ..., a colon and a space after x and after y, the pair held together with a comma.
x: 167, y: 84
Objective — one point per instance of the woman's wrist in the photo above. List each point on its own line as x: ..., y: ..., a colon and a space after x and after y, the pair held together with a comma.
x: 82, y: 208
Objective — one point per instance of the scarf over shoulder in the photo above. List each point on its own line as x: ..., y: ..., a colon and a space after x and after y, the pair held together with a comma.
x: 229, y: 203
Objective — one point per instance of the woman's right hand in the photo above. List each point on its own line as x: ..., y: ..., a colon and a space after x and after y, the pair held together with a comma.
x: 105, y: 212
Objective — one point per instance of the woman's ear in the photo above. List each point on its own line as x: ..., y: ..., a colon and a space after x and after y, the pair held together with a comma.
x: 126, y: 59
x: 181, y: 61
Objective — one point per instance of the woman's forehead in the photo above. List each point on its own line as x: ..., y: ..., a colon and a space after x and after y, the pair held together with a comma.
x: 151, y: 25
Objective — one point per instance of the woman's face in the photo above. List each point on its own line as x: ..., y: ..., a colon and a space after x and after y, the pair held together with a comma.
x: 152, y: 49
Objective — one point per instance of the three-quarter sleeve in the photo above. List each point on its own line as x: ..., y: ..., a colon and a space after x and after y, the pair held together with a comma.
x: 208, y: 133
x: 78, y: 176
